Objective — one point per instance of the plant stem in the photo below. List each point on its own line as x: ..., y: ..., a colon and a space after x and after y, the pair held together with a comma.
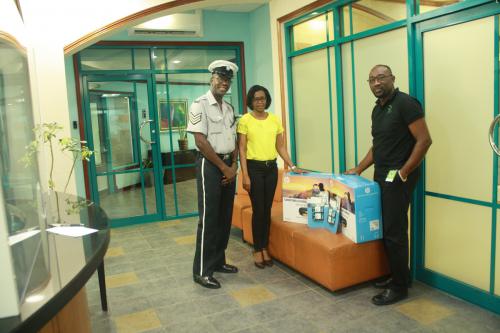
x: 70, y: 173
x: 52, y: 181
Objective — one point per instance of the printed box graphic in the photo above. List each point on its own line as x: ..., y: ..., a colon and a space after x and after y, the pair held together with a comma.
x: 326, y: 201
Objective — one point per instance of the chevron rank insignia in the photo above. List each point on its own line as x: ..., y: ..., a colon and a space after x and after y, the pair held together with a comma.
x: 194, y: 118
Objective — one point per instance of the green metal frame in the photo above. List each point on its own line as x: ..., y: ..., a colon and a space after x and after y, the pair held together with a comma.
x: 486, y: 299
x: 149, y: 76
x: 132, y: 78
x: 416, y: 24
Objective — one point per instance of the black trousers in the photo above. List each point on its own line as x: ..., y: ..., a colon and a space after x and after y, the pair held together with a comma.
x: 396, y: 197
x: 215, y: 206
x: 263, y: 178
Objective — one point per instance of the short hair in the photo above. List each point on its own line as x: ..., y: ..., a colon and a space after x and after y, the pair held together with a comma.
x: 382, y: 65
x: 251, y: 95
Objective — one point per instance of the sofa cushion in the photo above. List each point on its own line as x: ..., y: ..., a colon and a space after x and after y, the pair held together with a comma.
x: 240, y: 203
x: 335, y: 261
x: 281, y: 239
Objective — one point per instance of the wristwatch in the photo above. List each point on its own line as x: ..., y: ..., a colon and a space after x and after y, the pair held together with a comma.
x: 293, y: 167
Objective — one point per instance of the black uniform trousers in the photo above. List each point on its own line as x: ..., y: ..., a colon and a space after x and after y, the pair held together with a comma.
x: 396, y: 197
x: 215, y: 206
x: 263, y: 177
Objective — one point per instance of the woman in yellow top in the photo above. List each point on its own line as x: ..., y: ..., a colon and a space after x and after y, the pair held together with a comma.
x: 260, y: 141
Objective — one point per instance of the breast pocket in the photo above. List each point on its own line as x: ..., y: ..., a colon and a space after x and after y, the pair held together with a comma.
x: 215, y: 123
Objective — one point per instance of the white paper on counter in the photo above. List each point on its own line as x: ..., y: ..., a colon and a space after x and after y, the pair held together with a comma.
x: 72, y: 231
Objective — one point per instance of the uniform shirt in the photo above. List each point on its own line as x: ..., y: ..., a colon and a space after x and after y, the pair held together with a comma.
x: 261, y: 136
x: 206, y: 117
x: 392, y: 139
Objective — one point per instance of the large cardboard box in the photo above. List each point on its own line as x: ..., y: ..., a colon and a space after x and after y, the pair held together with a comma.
x: 298, y: 188
x: 324, y: 200
x: 361, y: 213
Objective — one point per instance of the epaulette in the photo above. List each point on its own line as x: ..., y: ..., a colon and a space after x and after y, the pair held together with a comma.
x: 200, y: 98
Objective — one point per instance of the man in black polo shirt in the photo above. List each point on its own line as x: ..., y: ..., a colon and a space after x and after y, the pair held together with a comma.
x: 400, y: 141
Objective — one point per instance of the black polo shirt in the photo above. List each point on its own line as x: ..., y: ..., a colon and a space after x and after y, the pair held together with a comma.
x: 392, y: 139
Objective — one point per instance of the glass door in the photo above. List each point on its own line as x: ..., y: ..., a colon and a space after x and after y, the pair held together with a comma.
x: 124, y: 170
x: 457, y: 78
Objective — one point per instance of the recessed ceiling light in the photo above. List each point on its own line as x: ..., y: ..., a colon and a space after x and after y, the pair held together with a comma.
x: 176, y: 61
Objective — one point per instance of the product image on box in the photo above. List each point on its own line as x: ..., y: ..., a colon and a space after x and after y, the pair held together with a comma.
x: 333, y: 215
x: 317, y: 211
x: 360, y: 209
x: 298, y: 188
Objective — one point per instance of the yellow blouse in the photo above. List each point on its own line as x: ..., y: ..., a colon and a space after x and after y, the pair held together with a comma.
x: 261, y: 136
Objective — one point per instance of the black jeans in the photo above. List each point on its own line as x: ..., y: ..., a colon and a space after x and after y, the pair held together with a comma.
x: 263, y: 178
x: 215, y: 206
x: 396, y: 197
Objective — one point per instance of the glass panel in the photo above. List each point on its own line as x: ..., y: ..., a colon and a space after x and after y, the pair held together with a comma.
x: 120, y: 132
x: 497, y: 258
x: 122, y: 195
x: 183, y: 89
x: 141, y: 59
x: 186, y: 186
x: 427, y: 6
x: 369, y: 14
x: 197, y: 58
x: 348, y: 102
x: 309, y: 33
x: 20, y: 182
x: 112, y: 126
x: 311, y: 111
x: 448, y: 93
x: 334, y: 121
x: 159, y: 59
x: 388, y: 48
x: 452, y: 246
x: 106, y: 59
x: 330, y: 26
x: 346, y: 21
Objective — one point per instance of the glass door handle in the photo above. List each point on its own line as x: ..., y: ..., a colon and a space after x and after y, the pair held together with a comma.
x: 144, y: 122
x: 492, y: 137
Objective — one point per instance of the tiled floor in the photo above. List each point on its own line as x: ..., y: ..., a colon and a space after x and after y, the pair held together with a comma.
x: 150, y: 289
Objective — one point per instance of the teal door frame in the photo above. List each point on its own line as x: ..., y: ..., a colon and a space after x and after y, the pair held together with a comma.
x: 154, y: 134
x: 486, y: 299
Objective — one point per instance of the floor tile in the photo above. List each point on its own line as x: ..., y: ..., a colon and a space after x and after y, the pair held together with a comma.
x: 252, y: 295
x: 151, y: 290
x: 120, y: 280
x: 424, y: 310
x: 137, y: 322
x: 114, y: 252
x: 190, y: 239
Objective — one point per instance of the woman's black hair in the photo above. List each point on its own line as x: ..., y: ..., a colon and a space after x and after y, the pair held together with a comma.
x: 251, y: 94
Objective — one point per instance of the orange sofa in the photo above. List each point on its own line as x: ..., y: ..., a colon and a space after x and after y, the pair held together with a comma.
x: 332, y: 260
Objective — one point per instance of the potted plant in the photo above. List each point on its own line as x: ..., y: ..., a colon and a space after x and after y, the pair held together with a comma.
x: 183, y: 140
x: 47, y: 133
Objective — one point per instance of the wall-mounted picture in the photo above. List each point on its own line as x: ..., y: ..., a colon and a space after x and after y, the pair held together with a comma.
x: 173, y: 114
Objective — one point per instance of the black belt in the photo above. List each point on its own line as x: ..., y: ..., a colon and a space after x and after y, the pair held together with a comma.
x: 225, y: 157
x: 266, y: 163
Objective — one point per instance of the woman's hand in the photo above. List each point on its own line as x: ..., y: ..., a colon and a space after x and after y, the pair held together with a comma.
x: 297, y: 170
x: 246, y: 183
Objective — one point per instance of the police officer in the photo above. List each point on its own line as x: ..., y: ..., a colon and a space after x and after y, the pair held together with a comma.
x: 213, y: 124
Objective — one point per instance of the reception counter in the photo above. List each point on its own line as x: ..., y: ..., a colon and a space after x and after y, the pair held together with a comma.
x: 51, y: 272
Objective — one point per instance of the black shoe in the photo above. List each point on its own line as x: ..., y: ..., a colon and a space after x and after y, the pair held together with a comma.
x: 226, y: 268
x: 384, y: 284
x: 389, y: 296
x: 206, y: 281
